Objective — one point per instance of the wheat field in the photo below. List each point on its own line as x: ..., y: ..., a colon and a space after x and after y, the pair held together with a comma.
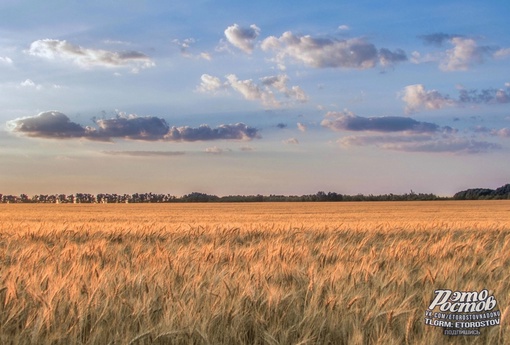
x: 253, y: 273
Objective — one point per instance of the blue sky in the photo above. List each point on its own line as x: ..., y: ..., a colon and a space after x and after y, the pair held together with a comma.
x: 262, y: 97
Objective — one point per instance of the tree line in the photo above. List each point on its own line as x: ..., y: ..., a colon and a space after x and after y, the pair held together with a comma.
x: 502, y: 192
x: 84, y: 198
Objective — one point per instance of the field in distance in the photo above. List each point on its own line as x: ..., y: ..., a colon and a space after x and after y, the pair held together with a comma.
x: 250, y: 273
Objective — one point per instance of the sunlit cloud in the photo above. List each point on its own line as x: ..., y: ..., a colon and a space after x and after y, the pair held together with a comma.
x: 88, y: 58
x: 465, y: 53
x: 6, y: 61
x: 355, y: 53
x: 29, y: 83
x: 417, y: 98
x: 301, y: 127
x: 242, y: 38
x: 266, y: 92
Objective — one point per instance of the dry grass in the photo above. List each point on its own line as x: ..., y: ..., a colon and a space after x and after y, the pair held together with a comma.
x: 285, y: 273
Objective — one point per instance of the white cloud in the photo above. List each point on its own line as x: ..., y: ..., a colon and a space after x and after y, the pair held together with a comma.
x: 209, y: 83
x: 29, y: 83
x: 502, y: 53
x: 344, y: 27
x: 465, y: 53
x: 418, y: 58
x: 5, y: 60
x: 205, y: 56
x: 184, y: 47
x: 252, y: 91
x: 301, y: 127
x: 279, y: 82
x: 242, y: 38
x: 322, y: 53
x: 417, y: 98
x: 87, y: 58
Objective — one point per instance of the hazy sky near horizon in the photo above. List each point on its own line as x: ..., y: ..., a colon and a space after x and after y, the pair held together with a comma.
x: 265, y: 97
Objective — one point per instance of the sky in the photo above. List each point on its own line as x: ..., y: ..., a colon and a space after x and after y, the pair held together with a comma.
x: 263, y: 97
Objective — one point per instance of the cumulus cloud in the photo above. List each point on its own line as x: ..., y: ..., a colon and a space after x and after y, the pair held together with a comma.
x: 86, y: 58
x: 56, y: 125
x: 148, y: 128
x: 354, y: 53
x: 417, y: 97
x: 242, y: 38
x: 322, y: 52
x: 50, y: 124
x: 211, y: 84
x: 238, y: 131
x: 301, y: 127
x: 347, y: 121
x: 250, y: 90
x: 279, y: 82
x: 465, y: 52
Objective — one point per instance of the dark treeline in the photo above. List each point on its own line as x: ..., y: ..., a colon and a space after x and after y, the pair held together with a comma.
x: 484, y: 193
x: 83, y: 198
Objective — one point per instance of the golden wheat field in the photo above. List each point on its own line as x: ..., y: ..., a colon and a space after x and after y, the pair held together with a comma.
x: 253, y: 273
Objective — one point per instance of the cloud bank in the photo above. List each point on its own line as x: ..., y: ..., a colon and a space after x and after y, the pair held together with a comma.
x: 422, y: 143
x: 405, y: 134
x: 56, y: 125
